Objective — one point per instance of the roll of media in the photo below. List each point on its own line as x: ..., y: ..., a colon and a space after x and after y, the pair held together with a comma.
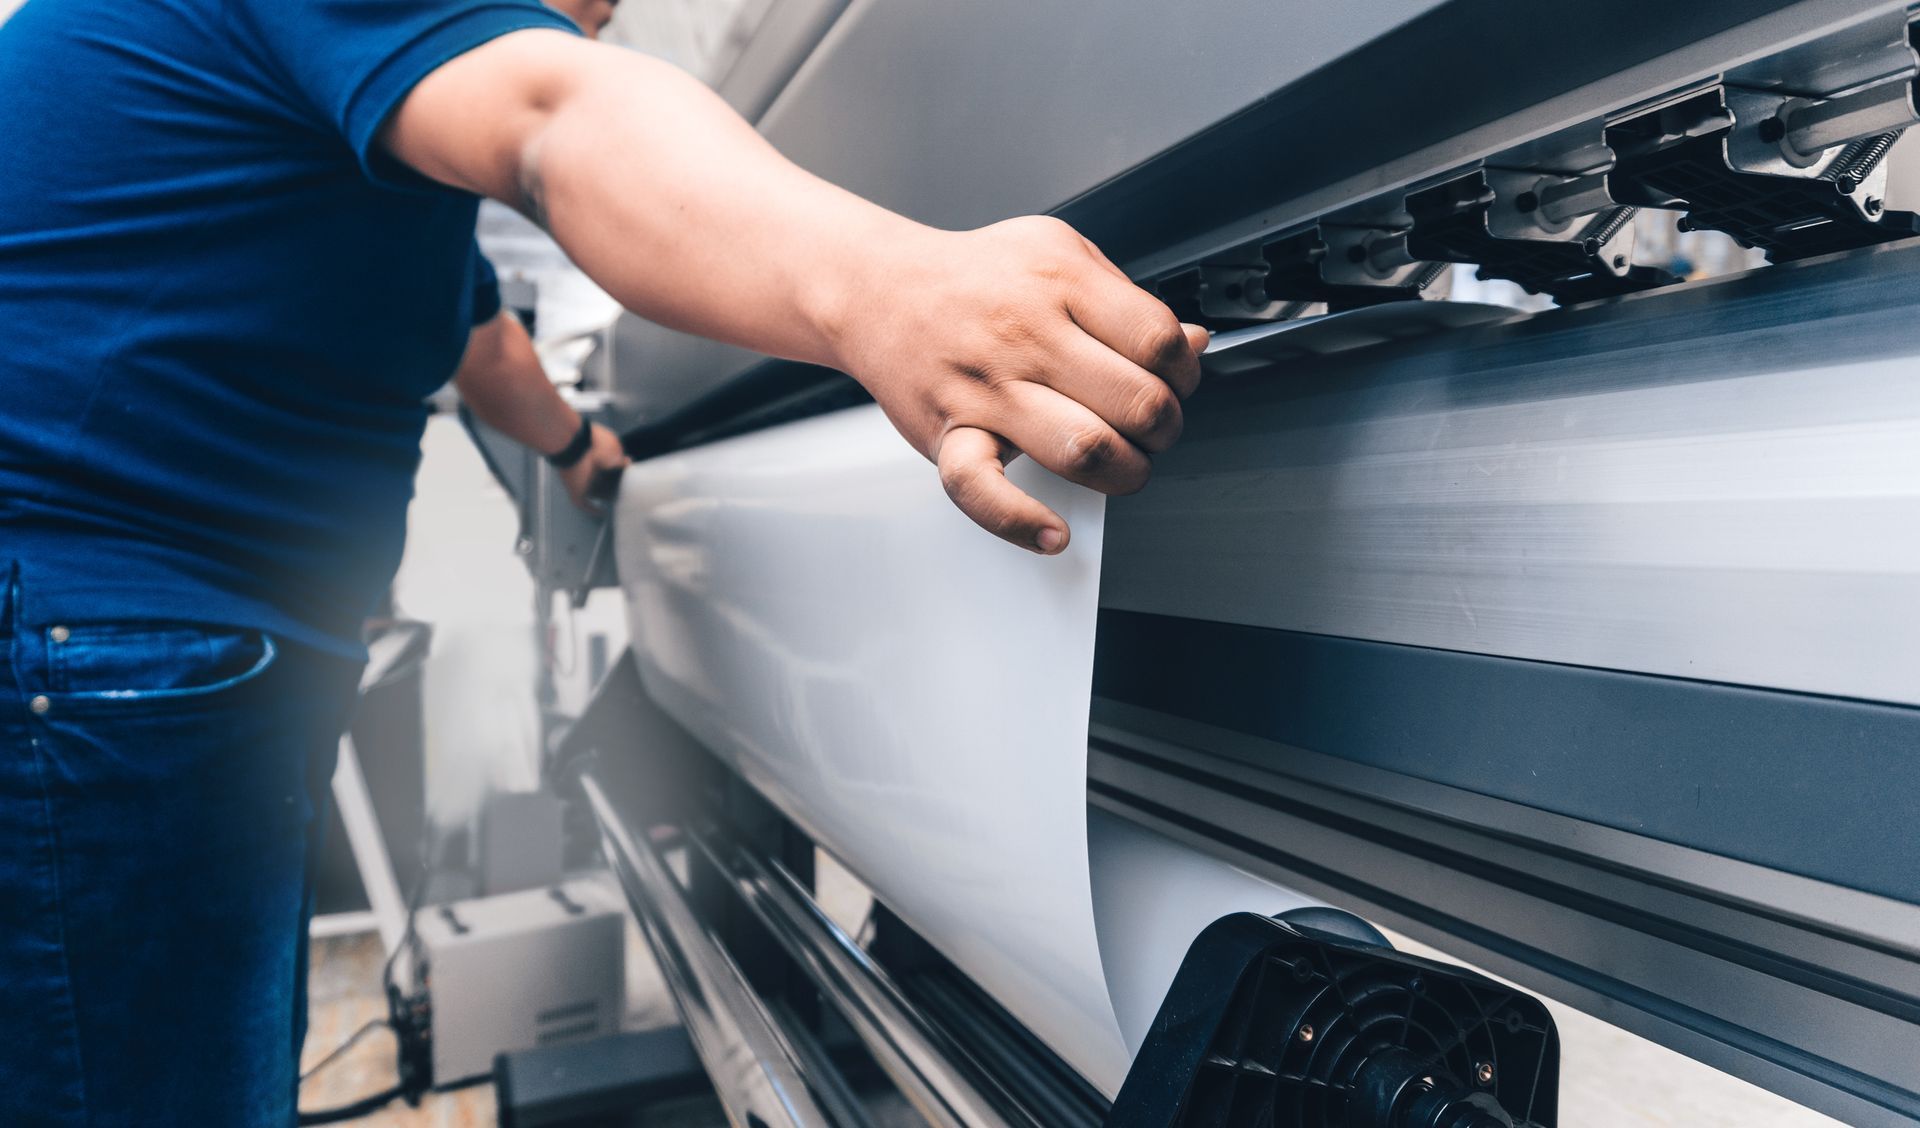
x: 914, y: 694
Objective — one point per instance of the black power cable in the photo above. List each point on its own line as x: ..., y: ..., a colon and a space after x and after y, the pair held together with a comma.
x: 408, y: 1016
x: 366, y: 1106
x: 353, y: 1040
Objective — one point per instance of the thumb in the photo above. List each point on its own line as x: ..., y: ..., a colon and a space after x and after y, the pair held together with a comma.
x: 973, y: 468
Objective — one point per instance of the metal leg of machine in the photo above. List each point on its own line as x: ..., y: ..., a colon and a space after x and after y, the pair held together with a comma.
x: 755, y: 1070
x: 918, y: 1056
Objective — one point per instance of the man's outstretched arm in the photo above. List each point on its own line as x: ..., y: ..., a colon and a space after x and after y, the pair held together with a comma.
x: 1019, y: 337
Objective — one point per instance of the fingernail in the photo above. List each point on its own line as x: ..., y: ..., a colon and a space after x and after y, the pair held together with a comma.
x: 1051, y: 540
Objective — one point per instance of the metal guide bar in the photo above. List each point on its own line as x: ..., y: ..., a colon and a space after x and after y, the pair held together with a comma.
x: 933, y: 1072
x: 1739, y: 967
x: 1718, y: 482
x: 760, y: 1079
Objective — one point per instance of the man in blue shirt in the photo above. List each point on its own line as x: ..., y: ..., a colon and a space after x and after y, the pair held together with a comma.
x: 236, y: 243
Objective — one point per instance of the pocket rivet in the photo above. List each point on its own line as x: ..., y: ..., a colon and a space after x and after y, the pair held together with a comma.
x: 40, y: 704
x: 59, y: 634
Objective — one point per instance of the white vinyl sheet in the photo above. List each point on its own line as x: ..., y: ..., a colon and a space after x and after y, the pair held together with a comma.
x: 1151, y: 896
x: 914, y: 693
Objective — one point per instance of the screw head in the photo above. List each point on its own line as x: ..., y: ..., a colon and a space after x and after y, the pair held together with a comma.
x: 1874, y: 205
x: 1304, y: 1034
x: 1772, y: 129
x: 40, y: 704
x: 1483, y: 1073
x: 59, y: 634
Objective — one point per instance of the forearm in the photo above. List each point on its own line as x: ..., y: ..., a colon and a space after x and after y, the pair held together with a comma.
x: 671, y: 202
x: 500, y: 378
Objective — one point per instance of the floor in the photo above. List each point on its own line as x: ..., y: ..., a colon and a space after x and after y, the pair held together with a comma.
x: 344, y: 994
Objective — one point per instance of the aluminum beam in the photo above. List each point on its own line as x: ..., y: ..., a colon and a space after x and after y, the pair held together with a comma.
x: 1804, y: 987
x: 1720, y: 484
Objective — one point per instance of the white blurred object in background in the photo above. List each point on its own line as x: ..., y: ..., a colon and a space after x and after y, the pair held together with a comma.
x: 460, y: 574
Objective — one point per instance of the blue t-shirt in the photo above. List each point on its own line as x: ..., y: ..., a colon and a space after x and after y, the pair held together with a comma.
x: 221, y: 304
x: 486, y: 290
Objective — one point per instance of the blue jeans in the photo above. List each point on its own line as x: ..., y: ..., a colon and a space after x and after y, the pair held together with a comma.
x: 160, y: 793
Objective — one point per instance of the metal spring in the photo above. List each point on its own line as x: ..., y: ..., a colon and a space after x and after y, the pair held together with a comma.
x: 1860, y: 158
x: 1603, y: 229
x: 1838, y: 166
x: 1426, y: 276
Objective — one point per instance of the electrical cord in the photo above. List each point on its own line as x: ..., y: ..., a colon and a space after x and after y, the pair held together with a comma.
x: 366, y: 1106
x: 409, y: 1016
x: 353, y: 1040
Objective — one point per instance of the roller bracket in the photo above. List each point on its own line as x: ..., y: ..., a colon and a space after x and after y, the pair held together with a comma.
x: 1273, y: 1024
x: 1782, y: 173
x: 1346, y: 266
x: 1561, y: 235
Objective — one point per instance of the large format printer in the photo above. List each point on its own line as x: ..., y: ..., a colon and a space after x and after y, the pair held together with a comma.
x: 1581, y: 643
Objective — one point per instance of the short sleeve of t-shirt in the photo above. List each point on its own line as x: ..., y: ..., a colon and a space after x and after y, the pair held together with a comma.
x: 486, y: 289
x: 351, y: 62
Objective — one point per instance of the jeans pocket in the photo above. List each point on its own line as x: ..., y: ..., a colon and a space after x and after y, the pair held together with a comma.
x: 153, y: 662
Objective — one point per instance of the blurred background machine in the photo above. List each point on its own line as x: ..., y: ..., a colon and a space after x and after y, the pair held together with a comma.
x: 519, y: 970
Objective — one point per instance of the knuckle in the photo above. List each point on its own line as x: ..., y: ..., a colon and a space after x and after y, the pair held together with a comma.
x: 1088, y: 453
x: 1155, y: 413
x: 966, y: 487
x: 1049, y: 227
x: 961, y: 481
x: 1161, y: 342
x: 1058, y: 250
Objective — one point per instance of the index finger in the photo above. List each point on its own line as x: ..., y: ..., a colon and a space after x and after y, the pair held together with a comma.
x: 1140, y: 327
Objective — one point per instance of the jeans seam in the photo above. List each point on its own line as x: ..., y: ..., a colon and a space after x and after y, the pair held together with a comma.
x: 72, y: 1004
x: 14, y: 642
x: 269, y: 654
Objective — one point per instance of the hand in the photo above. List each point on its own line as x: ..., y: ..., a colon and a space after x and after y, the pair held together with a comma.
x: 591, y: 482
x: 1021, y: 338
